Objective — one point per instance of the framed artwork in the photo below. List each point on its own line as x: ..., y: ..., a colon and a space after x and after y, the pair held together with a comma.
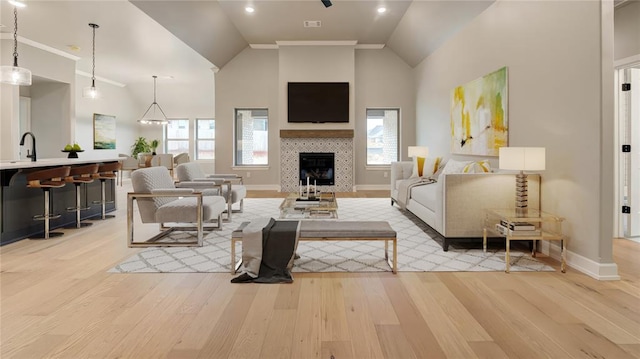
x: 479, y: 122
x: 104, y: 132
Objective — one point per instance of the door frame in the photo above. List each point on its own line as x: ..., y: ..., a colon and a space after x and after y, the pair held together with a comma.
x: 619, y: 67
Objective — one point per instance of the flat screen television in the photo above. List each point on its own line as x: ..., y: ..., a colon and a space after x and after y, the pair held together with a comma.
x: 318, y: 102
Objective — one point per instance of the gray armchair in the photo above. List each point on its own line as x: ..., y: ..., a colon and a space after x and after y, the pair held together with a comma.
x: 160, y: 201
x: 128, y: 164
x: 180, y: 158
x: 233, y: 189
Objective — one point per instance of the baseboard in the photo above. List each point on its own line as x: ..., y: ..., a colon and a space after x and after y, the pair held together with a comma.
x: 599, y: 271
x: 263, y: 187
x: 633, y: 239
x: 371, y: 187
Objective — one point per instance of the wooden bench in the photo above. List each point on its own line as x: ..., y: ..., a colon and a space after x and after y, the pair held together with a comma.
x: 336, y: 231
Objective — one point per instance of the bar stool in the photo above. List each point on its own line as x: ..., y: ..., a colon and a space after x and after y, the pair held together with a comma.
x: 81, y: 175
x: 106, y: 171
x: 46, y: 180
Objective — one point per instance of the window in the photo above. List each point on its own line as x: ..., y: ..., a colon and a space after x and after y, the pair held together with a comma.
x: 205, y: 138
x: 177, y: 136
x: 382, y: 136
x: 251, y: 137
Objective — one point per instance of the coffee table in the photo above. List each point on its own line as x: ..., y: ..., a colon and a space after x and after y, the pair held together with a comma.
x: 324, y: 207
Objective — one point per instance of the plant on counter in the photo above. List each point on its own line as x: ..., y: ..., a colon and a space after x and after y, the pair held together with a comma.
x: 154, y: 145
x: 140, y: 146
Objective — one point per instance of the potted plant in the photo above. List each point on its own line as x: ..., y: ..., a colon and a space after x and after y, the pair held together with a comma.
x: 154, y: 145
x: 140, y: 146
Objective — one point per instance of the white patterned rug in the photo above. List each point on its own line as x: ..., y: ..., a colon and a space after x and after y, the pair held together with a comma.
x: 417, y: 250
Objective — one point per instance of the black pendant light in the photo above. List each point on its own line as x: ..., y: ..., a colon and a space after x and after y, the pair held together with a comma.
x: 154, y: 114
x: 91, y: 91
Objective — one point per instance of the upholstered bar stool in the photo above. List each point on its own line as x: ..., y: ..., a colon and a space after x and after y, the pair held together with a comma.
x: 106, y: 171
x: 46, y: 180
x: 81, y: 175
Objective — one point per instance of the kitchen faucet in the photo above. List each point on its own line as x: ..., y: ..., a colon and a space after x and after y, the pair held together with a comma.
x: 33, y: 146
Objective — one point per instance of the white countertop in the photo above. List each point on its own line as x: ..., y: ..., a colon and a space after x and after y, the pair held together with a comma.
x: 46, y: 162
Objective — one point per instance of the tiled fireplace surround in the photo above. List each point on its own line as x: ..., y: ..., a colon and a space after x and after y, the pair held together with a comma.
x: 340, y: 142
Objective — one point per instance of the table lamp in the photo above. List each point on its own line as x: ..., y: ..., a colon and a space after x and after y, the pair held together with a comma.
x: 522, y: 159
x: 418, y: 151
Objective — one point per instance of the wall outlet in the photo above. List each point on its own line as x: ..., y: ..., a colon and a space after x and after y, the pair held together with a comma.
x: 386, y: 174
x: 248, y: 174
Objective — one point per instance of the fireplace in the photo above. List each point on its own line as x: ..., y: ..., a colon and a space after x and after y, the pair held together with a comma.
x: 318, y: 141
x: 318, y: 167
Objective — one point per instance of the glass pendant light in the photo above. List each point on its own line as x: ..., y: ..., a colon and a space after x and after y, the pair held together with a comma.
x: 92, y: 91
x: 154, y: 114
x: 15, y: 75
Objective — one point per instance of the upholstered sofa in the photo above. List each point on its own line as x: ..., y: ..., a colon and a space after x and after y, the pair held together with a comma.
x: 454, y: 204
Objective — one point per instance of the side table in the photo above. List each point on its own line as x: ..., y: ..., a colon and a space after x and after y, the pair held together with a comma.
x: 547, y: 227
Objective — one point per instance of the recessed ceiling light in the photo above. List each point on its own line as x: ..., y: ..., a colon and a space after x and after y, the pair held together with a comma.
x: 249, y: 9
x: 382, y: 9
x: 17, y: 3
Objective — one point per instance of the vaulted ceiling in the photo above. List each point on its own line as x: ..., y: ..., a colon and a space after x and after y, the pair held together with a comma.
x: 182, y: 38
x: 218, y: 30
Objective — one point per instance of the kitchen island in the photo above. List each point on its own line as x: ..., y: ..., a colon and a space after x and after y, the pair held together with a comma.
x: 18, y: 203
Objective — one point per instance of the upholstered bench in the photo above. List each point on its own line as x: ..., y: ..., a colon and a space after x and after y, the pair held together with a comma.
x: 336, y: 231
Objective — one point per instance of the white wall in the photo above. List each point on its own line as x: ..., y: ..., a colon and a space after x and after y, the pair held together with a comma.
x: 50, y: 118
x: 555, y: 70
x: 382, y: 80
x: 9, y: 122
x: 250, y: 80
x: 627, y: 30
x: 60, y: 71
x: 115, y: 101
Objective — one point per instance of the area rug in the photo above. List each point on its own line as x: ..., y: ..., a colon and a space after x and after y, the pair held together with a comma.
x: 418, y: 251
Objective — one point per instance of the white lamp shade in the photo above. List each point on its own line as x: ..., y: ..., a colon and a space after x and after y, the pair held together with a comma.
x: 14, y: 75
x: 522, y: 158
x: 418, y: 151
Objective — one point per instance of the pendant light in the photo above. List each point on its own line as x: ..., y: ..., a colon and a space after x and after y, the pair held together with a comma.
x: 157, y: 116
x: 15, y: 75
x: 91, y: 91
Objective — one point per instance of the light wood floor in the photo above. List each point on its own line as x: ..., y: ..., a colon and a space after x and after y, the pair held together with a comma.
x: 57, y: 300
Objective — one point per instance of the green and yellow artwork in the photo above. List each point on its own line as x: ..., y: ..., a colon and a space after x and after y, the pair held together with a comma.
x: 479, y: 123
x: 104, y: 132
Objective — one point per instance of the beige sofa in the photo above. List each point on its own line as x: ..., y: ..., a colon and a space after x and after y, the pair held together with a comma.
x: 453, y: 206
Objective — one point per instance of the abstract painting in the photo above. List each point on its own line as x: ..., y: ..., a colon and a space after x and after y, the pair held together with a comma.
x: 104, y: 132
x: 479, y: 123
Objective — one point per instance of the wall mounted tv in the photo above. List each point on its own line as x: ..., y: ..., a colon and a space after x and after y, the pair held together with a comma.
x: 318, y: 102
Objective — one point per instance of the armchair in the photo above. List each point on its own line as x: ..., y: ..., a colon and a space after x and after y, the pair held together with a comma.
x: 159, y: 201
x: 128, y: 164
x: 234, y: 190
x: 180, y: 158
x: 165, y: 160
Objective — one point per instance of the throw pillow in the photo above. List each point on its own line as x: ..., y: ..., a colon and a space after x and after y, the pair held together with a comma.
x: 437, y: 173
x: 454, y: 166
x: 418, y: 165
x: 477, y: 167
x: 431, y: 165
